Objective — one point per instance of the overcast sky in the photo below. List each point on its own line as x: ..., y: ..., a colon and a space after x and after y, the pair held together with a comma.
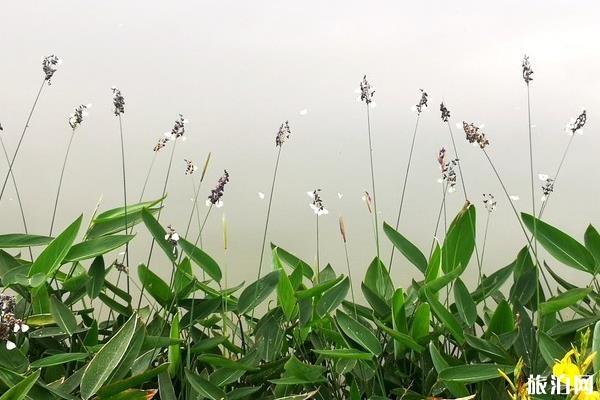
x: 236, y: 70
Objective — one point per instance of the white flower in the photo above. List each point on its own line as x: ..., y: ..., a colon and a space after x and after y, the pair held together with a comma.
x: 317, y: 210
x: 451, y: 189
x: 10, y: 345
x: 311, y: 194
x: 543, y: 177
x: 261, y: 195
x: 514, y: 197
x: 219, y: 204
x: 373, y: 104
x: 544, y: 198
x: 340, y: 195
x: 304, y: 111
x: 20, y: 327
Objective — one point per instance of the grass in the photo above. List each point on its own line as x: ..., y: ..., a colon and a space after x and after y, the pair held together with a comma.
x: 298, y: 331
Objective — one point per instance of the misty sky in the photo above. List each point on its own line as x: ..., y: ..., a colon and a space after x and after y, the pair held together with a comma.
x: 237, y: 70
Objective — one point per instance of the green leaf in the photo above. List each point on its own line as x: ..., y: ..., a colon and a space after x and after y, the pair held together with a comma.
x: 285, y: 291
x: 158, y: 233
x: 96, y: 247
x: 52, y: 256
x: 257, y: 292
x: 120, y: 212
x: 204, y: 387
x: 114, y: 225
x: 358, y: 333
x: 560, y: 245
x: 596, y: 347
x: 17, y: 240
x: 106, y: 359
x: 550, y: 349
x: 421, y: 321
x: 155, y: 286
x: 58, y: 359
x: 492, y: 283
x: 224, y: 362
x: 502, y: 321
x: 294, y: 262
x: 378, y: 280
x: 493, y: 351
x: 165, y: 387
x: 439, y: 363
x: 97, y: 273
x: 318, y: 289
x: 563, y: 300
x: 448, y: 320
x: 592, y: 243
x: 63, y: 316
x: 133, y: 381
x: 464, y: 303
x: 174, y: 353
x: 460, y: 240
x: 409, y: 250
x: 400, y: 337
x: 333, y: 297
x: 20, y: 390
x: 201, y: 259
x: 344, y: 354
x: 472, y: 373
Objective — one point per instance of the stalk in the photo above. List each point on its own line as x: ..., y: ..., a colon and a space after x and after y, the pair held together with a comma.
x: 373, y: 180
x: 62, y: 173
x: 124, y: 195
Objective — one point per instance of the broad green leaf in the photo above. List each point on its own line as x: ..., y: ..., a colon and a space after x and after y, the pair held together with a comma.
x: 158, y: 233
x: 201, y: 259
x: 224, y: 362
x: 448, y: 320
x: 97, y: 273
x: 344, y: 354
x: 333, y: 297
x: 472, y: 373
x: 294, y: 262
x: 106, y: 359
x: 174, y: 353
x: 568, y: 327
x: 409, y: 250
x: 560, y: 245
x: 58, y: 359
x: 63, y: 316
x: 563, y: 300
x: 131, y: 382
x: 492, y: 283
x: 165, y: 387
x: 596, y: 347
x: 550, y: 349
x: 502, y: 320
x: 285, y: 291
x: 358, y: 333
x: 257, y: 292
x: 52, y: 256
x: 400, y: 337
x: 440, y: 363
x: 155, y: 286
x: 379, y: 305
x: 114, y: 225
x: 421, y: 321
x: 17, y: 240
x: 460, y: 240
x: 318, y: 289
x: 204, y: 387
x: 20, y: 390
x: 592, y: 243
x: 399, y: 320
x: 493, y: 351
x: 378, y: 280
x: 39, y: 320
x: 96, y: 247
x: 129, y: 210
x: 464, y: 303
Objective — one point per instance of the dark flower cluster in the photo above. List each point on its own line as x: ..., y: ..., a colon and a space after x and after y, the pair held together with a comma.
x: 118, y: 101
x: 9, y: 324
x: 445, y: 112
x: 49, y: 66
x: 216, y: 194
x: 578, y: 123
x: 179, y: 127
x: 527, y: 71
x: 548, y: 187
x: 489, y: 202
x: 447, y: 169
x: 190, y: 167
x: 475, y: 135
x: 366, y: 93
x: 76, y: 118
x: 162, y: 142
x: 283, y: 134
x: 317, y: 203
x: 422, y: 104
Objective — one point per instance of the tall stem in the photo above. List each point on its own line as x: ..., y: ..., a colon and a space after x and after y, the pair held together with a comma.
x: 147, y: 177
x: 408, y: 164
x: 264, y: 240
x: 350, y: 278
x: 12, y: 161
x: 17, y: 194
x: 560, y: 165
x: 373, y: 180
x: 318, y: 258
x: 62, y: 173
x: 124, y: 195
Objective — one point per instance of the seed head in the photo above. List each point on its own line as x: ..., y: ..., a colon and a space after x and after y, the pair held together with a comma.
x: 317, y: 203
x: 575, y: 125
x: 445, y: 112
x: 283, y: 134
x: 527, y: 71
x: 366, y: 92
x: 178, y: 129
x: 49, y: 66
x: 343, y: 229
x: 422, y: 104
x: 190, y: 167
x: 475, y: 135
x: 162, y: 142
x: 76, y: 118
x: 447, y: 169
x: 9, y: 325
x: 489, y: 202
x: 547, y: 187
x: 215, y: 195
x: 118, y: 101
x: 368, y: 201
x: 121, y: 267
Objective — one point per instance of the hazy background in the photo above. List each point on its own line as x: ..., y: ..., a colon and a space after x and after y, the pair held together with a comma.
x: 236, y: 70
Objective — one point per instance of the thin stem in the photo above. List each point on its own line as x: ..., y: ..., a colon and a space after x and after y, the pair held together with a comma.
x: 17, y: 194
x: 124, y: 196
x: 408, y: 164
x: 350, y: 278
x: 560, y: 165
x: 12, y: 161
x: 462, y: 179
x: 62, y: 173
x: 318, y: 260
x: 480, y: 272
x: 147, y: 177
x: 373, y: 180
x: 439, y: 217
x: 262, y: 248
